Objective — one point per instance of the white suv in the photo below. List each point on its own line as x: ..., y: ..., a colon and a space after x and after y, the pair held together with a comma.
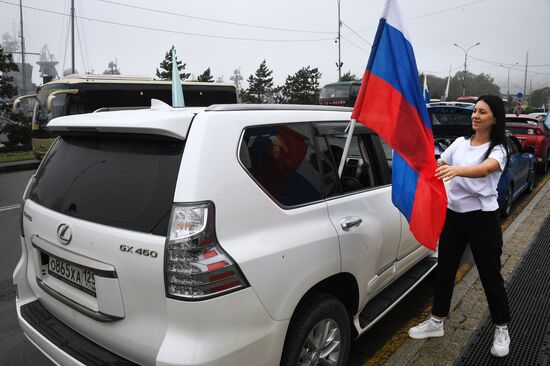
x: 217, y: 236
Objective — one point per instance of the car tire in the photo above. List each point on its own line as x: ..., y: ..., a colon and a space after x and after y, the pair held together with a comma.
x: 506, y: 210
x: 319, y: 331
x: 531, y: 181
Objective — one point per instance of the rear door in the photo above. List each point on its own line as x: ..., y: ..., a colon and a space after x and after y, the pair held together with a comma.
x: 95, y: 227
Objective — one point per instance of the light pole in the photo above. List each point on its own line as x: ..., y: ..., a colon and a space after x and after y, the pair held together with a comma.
x: 509, y: 68
x: 339, y: 40
x: 531, y: 87
x: 465, y: 63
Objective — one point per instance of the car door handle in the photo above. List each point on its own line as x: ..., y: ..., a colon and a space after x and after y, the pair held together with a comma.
x: 349, y: 222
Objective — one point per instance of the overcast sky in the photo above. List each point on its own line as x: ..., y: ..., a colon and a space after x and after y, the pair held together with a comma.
x: 288, y: 34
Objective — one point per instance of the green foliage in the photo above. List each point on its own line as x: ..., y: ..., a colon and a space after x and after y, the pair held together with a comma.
x: 260, y: 86
x: 476, y: 85
x: 348, y: 76
x: 301, y: 88
x: 7, y: 89
x: 165, y: 72
x: 18, y: 132
x: 206, y: 76
x: 540, y: 97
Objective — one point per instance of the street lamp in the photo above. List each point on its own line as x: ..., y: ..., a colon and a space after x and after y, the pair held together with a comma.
x: 465, y: 61
x: 509, y: 67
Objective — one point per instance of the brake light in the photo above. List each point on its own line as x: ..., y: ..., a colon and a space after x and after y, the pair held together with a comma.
x: 196, y: 266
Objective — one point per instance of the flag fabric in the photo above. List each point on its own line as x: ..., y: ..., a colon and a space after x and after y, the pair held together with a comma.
x: 177, y: 92
x: 391, y: 103
x: 426, y: 91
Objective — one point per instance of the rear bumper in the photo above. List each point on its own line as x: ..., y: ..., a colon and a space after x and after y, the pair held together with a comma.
x: 234, y: 329
x: 60, y: 343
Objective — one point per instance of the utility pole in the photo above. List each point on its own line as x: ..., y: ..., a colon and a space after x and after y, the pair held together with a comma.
x: 465, y: 63
x: 72, y: 37
x: 509, y: 67
x: 23, y: 72
x: 525, y: 79
x: 339, y: 63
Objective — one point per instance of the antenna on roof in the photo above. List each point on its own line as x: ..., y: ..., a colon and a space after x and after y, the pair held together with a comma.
x: 177, y: 92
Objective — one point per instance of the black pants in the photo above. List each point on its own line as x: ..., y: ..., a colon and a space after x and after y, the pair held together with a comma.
x: 481, y: 229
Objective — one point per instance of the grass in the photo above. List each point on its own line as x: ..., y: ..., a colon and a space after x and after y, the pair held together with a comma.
x: 16, y: 156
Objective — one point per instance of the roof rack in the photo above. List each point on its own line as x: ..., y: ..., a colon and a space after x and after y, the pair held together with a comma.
x: 275, y: 107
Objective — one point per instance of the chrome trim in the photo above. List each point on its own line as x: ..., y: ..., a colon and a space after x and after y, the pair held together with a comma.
x: 100, y: 268
x: 96, y: 315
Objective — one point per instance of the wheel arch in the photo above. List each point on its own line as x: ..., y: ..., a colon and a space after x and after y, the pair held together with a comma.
x: 344, y: 287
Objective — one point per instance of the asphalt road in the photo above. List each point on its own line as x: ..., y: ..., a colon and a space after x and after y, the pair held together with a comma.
x: 15, y: 349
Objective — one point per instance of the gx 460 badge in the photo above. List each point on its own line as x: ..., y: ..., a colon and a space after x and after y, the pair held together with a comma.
x: 139, y: 251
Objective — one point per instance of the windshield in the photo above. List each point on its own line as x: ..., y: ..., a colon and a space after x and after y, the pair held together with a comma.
x: 336, y: 91
x: 450, y: 116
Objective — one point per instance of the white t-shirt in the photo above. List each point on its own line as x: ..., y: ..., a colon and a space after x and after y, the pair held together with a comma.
x: 470, y: 194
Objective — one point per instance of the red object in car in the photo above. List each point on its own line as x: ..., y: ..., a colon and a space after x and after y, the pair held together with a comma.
x: 533, y: 136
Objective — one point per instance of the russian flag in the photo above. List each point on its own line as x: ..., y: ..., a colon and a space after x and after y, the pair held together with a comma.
x: 391, y: 103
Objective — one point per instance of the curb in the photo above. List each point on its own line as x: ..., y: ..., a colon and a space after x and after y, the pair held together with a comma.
x: 19, y: 165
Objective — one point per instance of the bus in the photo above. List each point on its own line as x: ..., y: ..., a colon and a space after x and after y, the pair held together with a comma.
x: 342, y: 93
x: 77, y: 94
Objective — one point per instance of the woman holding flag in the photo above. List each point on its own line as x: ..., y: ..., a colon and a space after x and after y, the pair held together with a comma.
x: 472, y: 167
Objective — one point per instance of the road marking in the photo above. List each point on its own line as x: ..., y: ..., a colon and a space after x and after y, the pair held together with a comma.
x: 11, y: 207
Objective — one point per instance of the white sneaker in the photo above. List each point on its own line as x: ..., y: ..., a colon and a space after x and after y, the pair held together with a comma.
x: 501, y: 343
x: 427, y: 329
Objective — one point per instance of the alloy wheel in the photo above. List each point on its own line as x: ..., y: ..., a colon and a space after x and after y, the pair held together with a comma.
x: 322, y: 345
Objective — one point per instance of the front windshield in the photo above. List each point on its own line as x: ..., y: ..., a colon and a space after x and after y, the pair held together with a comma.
x: 335, y: 91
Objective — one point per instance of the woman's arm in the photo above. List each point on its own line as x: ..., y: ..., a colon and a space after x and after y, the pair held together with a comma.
x: 448, y: 172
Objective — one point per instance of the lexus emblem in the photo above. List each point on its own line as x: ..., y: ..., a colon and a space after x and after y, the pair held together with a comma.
x: 64, y: 234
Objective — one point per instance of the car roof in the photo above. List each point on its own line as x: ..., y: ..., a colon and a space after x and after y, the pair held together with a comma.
x: 461, y: 105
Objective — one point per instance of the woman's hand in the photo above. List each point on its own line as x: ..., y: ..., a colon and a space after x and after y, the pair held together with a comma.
x: 446, y: 172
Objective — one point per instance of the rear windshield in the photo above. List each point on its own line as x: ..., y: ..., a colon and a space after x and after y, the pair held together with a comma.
x: 120, y: 181
x: 450, y: 116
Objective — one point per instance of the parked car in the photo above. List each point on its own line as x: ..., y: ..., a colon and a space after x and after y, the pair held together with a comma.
x: 217, y: 236
x: 450, y: 121
x: 517, y: 177
x: 533, y: 135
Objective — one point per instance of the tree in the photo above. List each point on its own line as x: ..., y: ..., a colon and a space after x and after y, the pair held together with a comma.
x: 302, y: 87
x: 7, y: 89
x: 112, y: 69
x: 18, y: 132
x: 206, y: 76
x: 165, y: 72
x: 476, y: 85
x: 348, y: 76
x: 260, y: 86
x: 540, y: 97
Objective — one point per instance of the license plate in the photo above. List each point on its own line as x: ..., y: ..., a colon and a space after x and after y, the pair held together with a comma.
x: 76, y: 276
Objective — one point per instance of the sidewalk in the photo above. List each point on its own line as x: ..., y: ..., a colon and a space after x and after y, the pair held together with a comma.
x: 469, y: 305
x: 11, y: 166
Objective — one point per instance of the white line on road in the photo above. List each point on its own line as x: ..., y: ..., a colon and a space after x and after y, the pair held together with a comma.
x: 11, y: 207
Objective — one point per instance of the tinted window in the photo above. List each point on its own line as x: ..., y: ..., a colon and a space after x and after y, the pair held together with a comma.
x: 283, y: 161
x: 450, y: 116
x: 357, y: 173
x: 117, y: 181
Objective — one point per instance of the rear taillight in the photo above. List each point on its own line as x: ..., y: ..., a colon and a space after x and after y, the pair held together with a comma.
x: 196, y: 266
x: 23, y: 200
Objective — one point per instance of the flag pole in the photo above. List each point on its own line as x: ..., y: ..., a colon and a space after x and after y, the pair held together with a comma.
x: 350, y: 129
